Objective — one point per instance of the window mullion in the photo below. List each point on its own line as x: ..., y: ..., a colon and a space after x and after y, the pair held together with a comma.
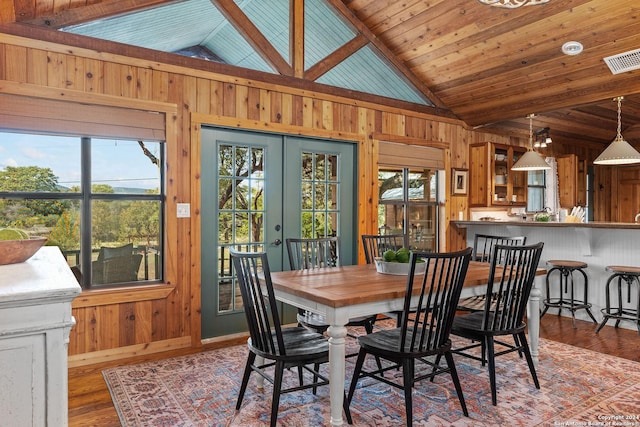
x: 85, y: 223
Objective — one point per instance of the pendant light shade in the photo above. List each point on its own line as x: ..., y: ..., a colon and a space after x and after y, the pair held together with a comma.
x: 619, y: 152
x: 530, y: 161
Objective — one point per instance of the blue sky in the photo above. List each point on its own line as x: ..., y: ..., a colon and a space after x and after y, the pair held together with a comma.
x: 119, y: 163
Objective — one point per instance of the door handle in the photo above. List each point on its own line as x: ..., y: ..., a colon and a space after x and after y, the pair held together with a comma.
x: 277, y: 242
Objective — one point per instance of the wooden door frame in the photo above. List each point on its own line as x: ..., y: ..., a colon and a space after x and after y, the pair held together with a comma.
x: 198, y: 120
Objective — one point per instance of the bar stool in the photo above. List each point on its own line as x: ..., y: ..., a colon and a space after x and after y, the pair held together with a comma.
x: 566, y: 268
x: 630, y: 275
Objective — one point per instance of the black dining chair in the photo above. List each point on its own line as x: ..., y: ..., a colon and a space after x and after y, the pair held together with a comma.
x: 317, y: 253
x: 374, y: 246
x: 483, y: 245
x: 278, y: 348
x: 429, y: 308
x: 511, y: 276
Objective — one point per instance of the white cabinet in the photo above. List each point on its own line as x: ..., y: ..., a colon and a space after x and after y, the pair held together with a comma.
x: 35, y: 320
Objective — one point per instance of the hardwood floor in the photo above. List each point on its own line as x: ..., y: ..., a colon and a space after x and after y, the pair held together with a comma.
x: 90, y: 402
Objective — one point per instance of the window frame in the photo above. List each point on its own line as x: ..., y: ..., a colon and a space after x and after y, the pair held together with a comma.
x: 69, y: 112
x: 86, y: 196
x: 539, y: 188
x: 407, y: 202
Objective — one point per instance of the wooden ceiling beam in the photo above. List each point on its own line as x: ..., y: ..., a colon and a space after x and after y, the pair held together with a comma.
x: 253, y: 36
x: 296, y: 37
x: 138, y: 55
x: 79, y: 15
x: 546, y: 98
x: 336, y: 57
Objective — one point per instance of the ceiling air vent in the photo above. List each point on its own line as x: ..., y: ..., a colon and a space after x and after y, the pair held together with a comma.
x: 623, y: 62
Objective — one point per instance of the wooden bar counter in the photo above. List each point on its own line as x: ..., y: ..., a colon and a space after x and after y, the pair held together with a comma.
x: 598, y: 244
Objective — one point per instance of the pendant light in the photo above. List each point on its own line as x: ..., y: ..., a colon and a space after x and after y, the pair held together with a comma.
x: 530, y: 161
x: 619, y: 152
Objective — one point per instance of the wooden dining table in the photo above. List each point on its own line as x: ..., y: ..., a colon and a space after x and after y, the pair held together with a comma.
x: 342, y: 293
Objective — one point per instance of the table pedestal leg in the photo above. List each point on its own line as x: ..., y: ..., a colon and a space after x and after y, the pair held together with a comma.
x: 337, y: 336
x: 533, y: 317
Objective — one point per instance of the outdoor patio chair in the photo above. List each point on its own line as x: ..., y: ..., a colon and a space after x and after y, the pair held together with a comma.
x: 116, y: 265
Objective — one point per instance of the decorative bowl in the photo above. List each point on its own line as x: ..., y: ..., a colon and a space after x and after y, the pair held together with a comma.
x: 397, y: 268
x: 15, y: 251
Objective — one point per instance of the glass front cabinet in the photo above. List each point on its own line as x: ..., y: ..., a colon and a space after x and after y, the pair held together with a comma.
x: 491, y: 180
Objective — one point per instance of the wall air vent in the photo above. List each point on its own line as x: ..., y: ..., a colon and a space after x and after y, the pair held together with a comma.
x: 623, y: 62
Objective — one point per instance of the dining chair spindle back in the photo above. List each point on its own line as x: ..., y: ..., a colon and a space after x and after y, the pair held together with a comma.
x: 429, y: 309
x: 511, y: 276
x: 318, y: 253
x: 483, y: 245
x: 313, y: 252
x: 271, y: 345
x: 375, y: 245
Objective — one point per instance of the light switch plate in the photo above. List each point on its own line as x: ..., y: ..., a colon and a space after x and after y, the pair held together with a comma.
x: 184, y: 210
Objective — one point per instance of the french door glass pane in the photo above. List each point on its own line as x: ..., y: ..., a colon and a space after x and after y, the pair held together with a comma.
x: 240, y: 222
x: 320, y: 195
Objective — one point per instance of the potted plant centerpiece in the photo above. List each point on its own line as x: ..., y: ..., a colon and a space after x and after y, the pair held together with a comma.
x: 397, y: 262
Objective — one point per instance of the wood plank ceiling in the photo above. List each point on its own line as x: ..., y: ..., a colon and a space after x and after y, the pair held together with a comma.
x: 488, y: 66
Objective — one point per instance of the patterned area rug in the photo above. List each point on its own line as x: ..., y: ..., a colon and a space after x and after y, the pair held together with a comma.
x: 578, y: 388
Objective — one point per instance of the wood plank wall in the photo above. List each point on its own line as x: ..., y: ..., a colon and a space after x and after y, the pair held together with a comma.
x: 114, y: 324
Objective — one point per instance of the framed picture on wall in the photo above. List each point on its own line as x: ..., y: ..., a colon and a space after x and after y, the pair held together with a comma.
x: 459, y: 177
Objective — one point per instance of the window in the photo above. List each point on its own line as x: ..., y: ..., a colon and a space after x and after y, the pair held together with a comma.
x: 407, y: 204
x: 536, y: 185
x: 101, y: 200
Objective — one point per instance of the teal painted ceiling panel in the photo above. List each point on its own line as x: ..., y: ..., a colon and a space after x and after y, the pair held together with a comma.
x: 197, y: 28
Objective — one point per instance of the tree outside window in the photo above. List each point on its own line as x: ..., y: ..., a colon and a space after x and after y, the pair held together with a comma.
x: 89, y: 196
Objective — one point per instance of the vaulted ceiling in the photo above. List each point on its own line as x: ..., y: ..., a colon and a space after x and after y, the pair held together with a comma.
x: 488, y: 66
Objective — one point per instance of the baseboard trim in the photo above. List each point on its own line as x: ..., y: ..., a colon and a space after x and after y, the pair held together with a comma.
x: 110, y: 355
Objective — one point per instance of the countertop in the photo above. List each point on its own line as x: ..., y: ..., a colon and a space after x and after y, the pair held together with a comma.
x: 45, y: 276
x: 609, y: 225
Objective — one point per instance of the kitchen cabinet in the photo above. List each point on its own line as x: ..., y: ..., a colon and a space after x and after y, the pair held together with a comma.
x: 35, y: 314
x: 491, y: 180
x: 572, y: 179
